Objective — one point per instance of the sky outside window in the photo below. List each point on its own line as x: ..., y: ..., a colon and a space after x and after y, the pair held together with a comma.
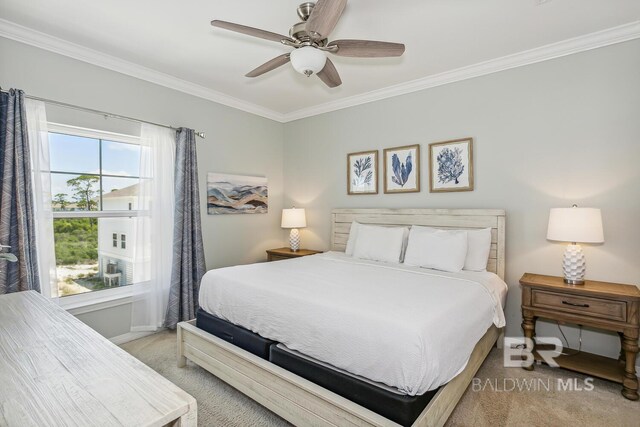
x: 74, y: 153
x: 76, y: 156
x: 120, y: 159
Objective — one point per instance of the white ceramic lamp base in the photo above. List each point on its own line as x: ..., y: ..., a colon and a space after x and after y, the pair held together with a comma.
x: 574, y: 265
x: 294, y: 239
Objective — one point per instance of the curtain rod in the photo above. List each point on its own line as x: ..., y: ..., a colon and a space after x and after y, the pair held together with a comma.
x: 101, y: 113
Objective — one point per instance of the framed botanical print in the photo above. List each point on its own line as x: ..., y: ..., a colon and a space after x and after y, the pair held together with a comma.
x: 402, y: 169
x: 362, y: 172
x: 451, y: 165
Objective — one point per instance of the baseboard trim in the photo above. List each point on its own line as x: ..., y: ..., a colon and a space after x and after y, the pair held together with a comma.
x: 130, y: 336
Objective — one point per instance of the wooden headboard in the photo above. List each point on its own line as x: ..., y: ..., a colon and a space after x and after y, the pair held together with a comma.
x: 438, y: 218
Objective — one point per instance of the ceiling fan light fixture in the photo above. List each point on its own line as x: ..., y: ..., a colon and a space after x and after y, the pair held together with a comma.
x: 308, y: 60
x: 310, y: 41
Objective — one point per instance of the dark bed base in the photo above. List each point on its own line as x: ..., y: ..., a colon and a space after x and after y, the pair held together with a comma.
x: 399, y: 408
x: 236, y: 335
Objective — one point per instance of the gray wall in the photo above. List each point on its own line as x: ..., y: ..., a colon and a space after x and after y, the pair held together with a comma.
x: 237, y: 142
x: 546, y: 135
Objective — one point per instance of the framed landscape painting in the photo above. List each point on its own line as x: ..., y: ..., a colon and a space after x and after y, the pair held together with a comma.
x: 451, y: 164
x: 402, y: 169
x: 362, y: 172
x: 236, y: 194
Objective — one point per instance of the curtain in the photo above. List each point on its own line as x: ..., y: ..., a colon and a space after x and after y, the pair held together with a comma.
x: 17, y: 227
x: 153, y: 246
x: 41, y: 178
x: 188, y: 253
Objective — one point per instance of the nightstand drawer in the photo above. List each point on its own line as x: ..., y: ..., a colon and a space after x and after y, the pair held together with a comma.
x: 595, y: 307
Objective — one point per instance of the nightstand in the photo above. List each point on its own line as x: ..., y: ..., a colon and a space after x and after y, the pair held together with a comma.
x: 287, y: 253
x: 602, y: 305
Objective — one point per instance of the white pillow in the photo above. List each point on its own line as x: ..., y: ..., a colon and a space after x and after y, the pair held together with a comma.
x: 379, y: 243
x: 479, y: 246
x: 353, y: 236
x: 444, y: 250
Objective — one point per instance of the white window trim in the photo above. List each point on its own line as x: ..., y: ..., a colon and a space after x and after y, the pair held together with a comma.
x: 102, y: 299
x: 105, y: 298
x: 96, y: 300
x: 97, y: 214
x: 92, y: 133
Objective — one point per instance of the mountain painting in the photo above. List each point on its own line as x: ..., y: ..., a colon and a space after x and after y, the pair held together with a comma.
x: 236, y: 194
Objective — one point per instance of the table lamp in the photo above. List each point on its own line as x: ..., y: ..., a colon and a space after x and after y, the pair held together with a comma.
x: 294, y: 219
x: 575, y: 225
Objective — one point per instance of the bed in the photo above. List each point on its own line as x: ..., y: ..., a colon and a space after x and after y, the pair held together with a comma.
x: 335, y: 291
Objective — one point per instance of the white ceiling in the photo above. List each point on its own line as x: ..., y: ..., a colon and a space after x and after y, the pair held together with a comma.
x: 175, y: 38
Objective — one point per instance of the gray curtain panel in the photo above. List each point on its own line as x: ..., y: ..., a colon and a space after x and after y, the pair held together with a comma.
x: 17, y: 225
x: 188, y: 252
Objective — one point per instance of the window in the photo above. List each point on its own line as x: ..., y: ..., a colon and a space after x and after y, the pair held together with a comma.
x: 94, y: 183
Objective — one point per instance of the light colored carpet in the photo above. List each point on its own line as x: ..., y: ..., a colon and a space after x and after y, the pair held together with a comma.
x: 221, y: 405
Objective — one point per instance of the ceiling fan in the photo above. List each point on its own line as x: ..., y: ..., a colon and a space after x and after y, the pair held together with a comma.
x: 310, y: 42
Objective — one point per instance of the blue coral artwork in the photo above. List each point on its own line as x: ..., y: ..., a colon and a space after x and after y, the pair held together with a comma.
x: 362, y: 172
x: 451, y: 165
x: 402, y: 169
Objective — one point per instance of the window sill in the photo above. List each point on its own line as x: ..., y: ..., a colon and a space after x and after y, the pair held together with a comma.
x: 97, y: 300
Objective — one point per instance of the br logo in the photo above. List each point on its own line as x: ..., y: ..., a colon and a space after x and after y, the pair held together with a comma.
x: 518, y: 351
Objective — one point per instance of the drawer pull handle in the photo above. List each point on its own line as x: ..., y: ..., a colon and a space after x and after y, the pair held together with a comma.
x: 575, y: 305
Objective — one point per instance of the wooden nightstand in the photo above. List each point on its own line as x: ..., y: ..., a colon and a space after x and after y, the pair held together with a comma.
x: 287, y: 253
x: 610, y: 306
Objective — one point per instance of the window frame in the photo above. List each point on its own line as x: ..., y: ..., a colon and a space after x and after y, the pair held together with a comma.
x: 102, y: 298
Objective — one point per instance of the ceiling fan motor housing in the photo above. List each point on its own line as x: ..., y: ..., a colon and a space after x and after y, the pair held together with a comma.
x: 299, y: 32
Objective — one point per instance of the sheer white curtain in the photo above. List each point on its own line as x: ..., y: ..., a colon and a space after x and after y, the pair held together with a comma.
x: 39, y: 149
x: 153, y: 246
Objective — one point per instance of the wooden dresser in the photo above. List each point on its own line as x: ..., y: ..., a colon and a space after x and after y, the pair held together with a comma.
x: 55, y: 370
x: 602, y: 305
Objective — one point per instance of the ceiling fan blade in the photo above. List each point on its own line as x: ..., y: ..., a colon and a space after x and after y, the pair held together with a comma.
x: 269, y: 65
x: 324, y: 17
x: 250, y: 31
x: 367, y: 48
x: 329, y: 75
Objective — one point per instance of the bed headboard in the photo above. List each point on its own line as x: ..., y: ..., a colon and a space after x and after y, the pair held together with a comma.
x: 438, y: 218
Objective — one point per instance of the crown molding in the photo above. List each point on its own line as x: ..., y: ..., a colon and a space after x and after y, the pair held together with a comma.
x: 44, y: 41
x: 595, y: 40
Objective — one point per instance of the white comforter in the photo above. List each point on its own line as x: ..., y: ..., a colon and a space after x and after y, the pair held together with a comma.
x: 407, y: 327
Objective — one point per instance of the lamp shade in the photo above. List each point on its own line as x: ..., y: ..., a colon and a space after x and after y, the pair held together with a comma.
x: 293, y: 218
x: 579, y: 225
x: 308, y: 60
